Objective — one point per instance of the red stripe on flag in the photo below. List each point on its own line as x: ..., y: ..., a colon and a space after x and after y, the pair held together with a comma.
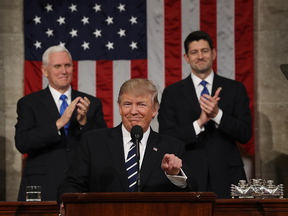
x: 244, y: 55
x: 139, y: 68
x: 32, y: 76
x: 104, y: 88
x: 173, y: 46
x: 208, y: 22
x: 74, y: 82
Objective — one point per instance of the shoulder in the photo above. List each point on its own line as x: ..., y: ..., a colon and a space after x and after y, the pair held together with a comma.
x: 31, y: 97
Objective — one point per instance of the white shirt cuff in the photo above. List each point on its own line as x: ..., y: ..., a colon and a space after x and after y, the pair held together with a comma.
x: 197, y: 128
x: 218, y: 118
x: 178, y: 180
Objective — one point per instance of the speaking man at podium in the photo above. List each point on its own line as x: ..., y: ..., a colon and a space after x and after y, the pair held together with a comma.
x: 103, y: 160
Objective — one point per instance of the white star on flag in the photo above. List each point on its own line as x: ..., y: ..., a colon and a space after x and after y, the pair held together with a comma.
x: 85, y: 20
x: 109, y: 20
x: 37, y: 19
x: 61, y: 44
x: 61, y: 20
x: 49, y: 8
x: 49, y: 32
x: 133, y: 45
x: 97, y: 33
x: 133, y: 20
x: 85, y: 45
x: 121, y: 7
x: 110, y: 45
x: 37, y: 44
x: 97, y: 7
x: 73, y: 7
x: 73, y: 33
x: 121, y: 32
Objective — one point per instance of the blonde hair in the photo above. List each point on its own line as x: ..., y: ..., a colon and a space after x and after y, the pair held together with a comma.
x: 140, y: 87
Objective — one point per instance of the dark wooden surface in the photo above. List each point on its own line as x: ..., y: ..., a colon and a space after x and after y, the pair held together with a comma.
x: 151, y: 204
x: 140, y: 204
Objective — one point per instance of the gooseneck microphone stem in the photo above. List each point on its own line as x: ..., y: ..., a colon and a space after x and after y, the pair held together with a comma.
x: 136, y: 135
x: 138, y: 161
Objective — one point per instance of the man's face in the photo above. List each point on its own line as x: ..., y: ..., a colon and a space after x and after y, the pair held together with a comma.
x: 200, y: 57
x: 59, y: 71
x: 136, y: 110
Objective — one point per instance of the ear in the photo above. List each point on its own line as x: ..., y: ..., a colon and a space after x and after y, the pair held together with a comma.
x: 186, y: 58
x: 214, y: 54
x: 44, y: 70
x: 154, y: 113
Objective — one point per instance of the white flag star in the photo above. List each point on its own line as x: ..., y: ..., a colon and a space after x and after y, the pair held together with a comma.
x: 85, y: 45
x: 37, y: 19
x: 133, y: 45
x: 73, y: 33
x: 49, y: 32
x: 61, y: 44
x: 49, y: 8
x: 97, y: 33
x: 85, y: 20
x: 73, y: 7
x: 121, y: 32
x: 109, y: 20
x: 110, y: 45
x: 61, y: 20
x: 121, y: 7
x: 37, y: 44
x: 133, y: 20
x: 97, y: 7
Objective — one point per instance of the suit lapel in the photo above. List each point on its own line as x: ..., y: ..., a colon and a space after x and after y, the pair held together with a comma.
x: 115, y: 145
x: 153, y: 153
x: 49, y: 104
x: 188, y: 90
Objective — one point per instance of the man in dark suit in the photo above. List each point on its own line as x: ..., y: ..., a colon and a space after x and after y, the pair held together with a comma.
x: 40, y: 129
x: 100, y: 161
x: 211, y: 124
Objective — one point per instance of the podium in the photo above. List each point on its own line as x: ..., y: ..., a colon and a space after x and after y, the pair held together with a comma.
x: 140, y: 204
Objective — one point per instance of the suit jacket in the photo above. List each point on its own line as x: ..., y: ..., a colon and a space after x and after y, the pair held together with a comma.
x: 213, y: 153
x: 99, y: 164
x: 48, y: 153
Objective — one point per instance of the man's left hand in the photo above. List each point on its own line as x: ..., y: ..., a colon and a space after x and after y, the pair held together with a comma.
x: 83, y: 107
x: 171, y: 164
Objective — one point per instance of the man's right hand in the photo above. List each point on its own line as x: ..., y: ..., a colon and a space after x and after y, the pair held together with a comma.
x: 62, y: 210
x: 65, y: 118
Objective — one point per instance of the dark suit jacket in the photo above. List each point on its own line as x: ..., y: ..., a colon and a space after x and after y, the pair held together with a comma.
x: 213, y: 152
x: 99, y: 164
x: 48, y: 153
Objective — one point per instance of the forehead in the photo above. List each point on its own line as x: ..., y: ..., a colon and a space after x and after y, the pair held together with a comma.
x: 198, y: 45
x: 59, y: 58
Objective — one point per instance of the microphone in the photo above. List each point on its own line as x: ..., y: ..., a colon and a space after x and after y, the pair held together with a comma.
x: 136, y: 135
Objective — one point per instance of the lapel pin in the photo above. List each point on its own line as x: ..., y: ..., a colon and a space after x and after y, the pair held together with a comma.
x: 155, y: 149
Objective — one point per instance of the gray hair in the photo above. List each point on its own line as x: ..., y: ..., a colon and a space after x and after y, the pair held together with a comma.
x: 53, y: 49
x: 139, y: 87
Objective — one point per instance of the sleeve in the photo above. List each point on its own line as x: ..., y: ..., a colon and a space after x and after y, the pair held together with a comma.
x: 32, y: 134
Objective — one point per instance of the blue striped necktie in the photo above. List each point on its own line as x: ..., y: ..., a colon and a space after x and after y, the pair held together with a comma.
x: 131, y: 165
x: 62, y: 109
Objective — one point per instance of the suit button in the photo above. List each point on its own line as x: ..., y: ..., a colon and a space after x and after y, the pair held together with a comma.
x: 65, y: 170
x: 206, y: 159
x: 68, y: 150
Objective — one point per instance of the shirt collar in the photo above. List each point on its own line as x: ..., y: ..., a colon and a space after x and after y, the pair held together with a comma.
x: 196, y: 80
x: 127, y: 136
x: 56, y: 94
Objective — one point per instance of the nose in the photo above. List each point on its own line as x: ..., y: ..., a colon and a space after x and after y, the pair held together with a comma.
x: 200, y: 55
x: 134, y: 109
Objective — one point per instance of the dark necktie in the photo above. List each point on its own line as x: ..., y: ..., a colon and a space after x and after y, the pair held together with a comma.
x: 62, y: 109
x: 205, y: 90
x: 131, y: 165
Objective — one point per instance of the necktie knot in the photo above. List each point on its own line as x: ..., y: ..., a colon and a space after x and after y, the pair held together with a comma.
x: 203, y: 83
x: 63, y: 97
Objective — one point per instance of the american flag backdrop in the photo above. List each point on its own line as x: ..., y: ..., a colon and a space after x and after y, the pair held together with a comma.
x: 112, y: 41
